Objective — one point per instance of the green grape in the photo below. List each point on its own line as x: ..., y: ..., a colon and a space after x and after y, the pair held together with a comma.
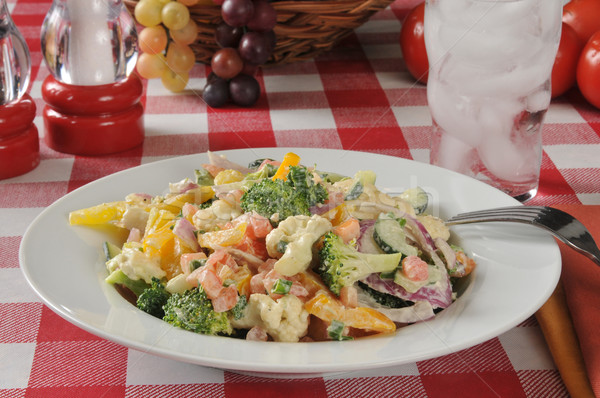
x: 148, y: 12
x: 151, y: 66
x: 187, y: 35
x: 153, y: 40
x: 175, y: 15
x: 180, y: 57
x: 173, y: 81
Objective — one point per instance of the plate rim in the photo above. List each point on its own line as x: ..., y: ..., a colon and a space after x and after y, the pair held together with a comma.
x: 289, y: 369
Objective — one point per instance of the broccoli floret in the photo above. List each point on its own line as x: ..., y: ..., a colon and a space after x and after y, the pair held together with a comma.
x: 238, y: 311
x: 152, y: 299
x: 118, y: 277
x: 206, y: 205
x: 192, y: 310
x: 290, y: 197
x: 303, y: 182
x: 342, y: 265
x: 268, y: 197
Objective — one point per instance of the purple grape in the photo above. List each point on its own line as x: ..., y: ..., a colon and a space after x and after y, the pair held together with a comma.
x: 244, y: 90
x: 212, y: 76
x: 237, y: 13
x: 228, y: 36
x: 255, y: 48
x: 271, y: 38
x: 250, y: 69
x: 226, y: 63
x: 216, y: 91
x: 264, y: 17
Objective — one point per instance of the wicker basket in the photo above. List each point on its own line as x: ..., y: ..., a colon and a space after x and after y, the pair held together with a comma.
x: 304, y: 29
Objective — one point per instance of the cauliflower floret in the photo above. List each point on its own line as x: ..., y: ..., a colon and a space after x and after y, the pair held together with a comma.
x: 136, y: 264
x: 297, y: 234
x: 135, y: 217
x: 284, y: 320
x: 435, y: 227
x: 396, y: 202
x: 219, y: 212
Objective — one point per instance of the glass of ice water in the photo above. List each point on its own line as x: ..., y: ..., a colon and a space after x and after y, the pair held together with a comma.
x: 489, y: 87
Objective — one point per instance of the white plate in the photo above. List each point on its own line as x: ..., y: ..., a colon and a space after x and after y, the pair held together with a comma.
x: 519, y: 267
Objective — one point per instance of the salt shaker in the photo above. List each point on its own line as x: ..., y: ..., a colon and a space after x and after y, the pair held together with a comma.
x: 92, y: 96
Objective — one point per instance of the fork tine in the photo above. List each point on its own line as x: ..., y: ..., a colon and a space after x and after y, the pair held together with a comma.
x: 502, y: 213
x: 523, y: 210
x: 464, y: 219
x: 562, y: 225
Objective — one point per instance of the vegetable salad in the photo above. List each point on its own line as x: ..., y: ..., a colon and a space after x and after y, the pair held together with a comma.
x: 280, y: 251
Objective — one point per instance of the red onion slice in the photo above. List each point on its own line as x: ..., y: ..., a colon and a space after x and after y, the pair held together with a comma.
x: 448, y: 253
x: 184, y: 230
x: 222, y: 161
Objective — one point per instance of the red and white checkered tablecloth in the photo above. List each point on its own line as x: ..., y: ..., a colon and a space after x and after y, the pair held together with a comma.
x: 360, y: 97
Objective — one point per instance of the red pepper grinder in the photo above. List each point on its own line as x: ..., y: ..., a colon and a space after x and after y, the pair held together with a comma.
x: 19, y: 140
x: 92, y: 96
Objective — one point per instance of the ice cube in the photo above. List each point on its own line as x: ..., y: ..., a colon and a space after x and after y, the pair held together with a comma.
x: 456, y: 114
x: 509, y: 160
x: 453, y: 154
x: 539, y: 100
x: 503, y: 13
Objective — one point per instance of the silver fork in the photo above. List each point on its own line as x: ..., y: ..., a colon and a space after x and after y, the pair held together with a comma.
x: 562, y: 225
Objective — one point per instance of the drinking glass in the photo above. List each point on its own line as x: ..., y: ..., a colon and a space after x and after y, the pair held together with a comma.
x: 489, y: 87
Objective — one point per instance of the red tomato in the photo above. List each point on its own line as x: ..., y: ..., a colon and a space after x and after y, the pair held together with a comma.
x: 565, y: 64
x: 412, y: 42
x: 588, y: 70
x: 583, y: 16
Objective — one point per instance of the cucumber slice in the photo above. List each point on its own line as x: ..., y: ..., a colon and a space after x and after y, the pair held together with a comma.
x: 203, y: 177
x: 330, y: 176
x: 417, y: 198
x: 256, y: 163
x: 390, y: 236
x: 366, y: 243
x: 366, y: 176
x: 361, y: 178
x: 355, y: 190
x: 110, y: 250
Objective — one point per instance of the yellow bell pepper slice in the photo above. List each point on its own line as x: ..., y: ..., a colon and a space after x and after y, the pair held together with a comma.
x: 228, y: 176
x: 225, y: 237
x: 99, y: 214
x: 290, y: 159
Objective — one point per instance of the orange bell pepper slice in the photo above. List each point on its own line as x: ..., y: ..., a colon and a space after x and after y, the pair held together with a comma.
x: 328, y: 308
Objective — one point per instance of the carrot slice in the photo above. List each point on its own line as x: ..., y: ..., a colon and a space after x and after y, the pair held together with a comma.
x: 348, y: 230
